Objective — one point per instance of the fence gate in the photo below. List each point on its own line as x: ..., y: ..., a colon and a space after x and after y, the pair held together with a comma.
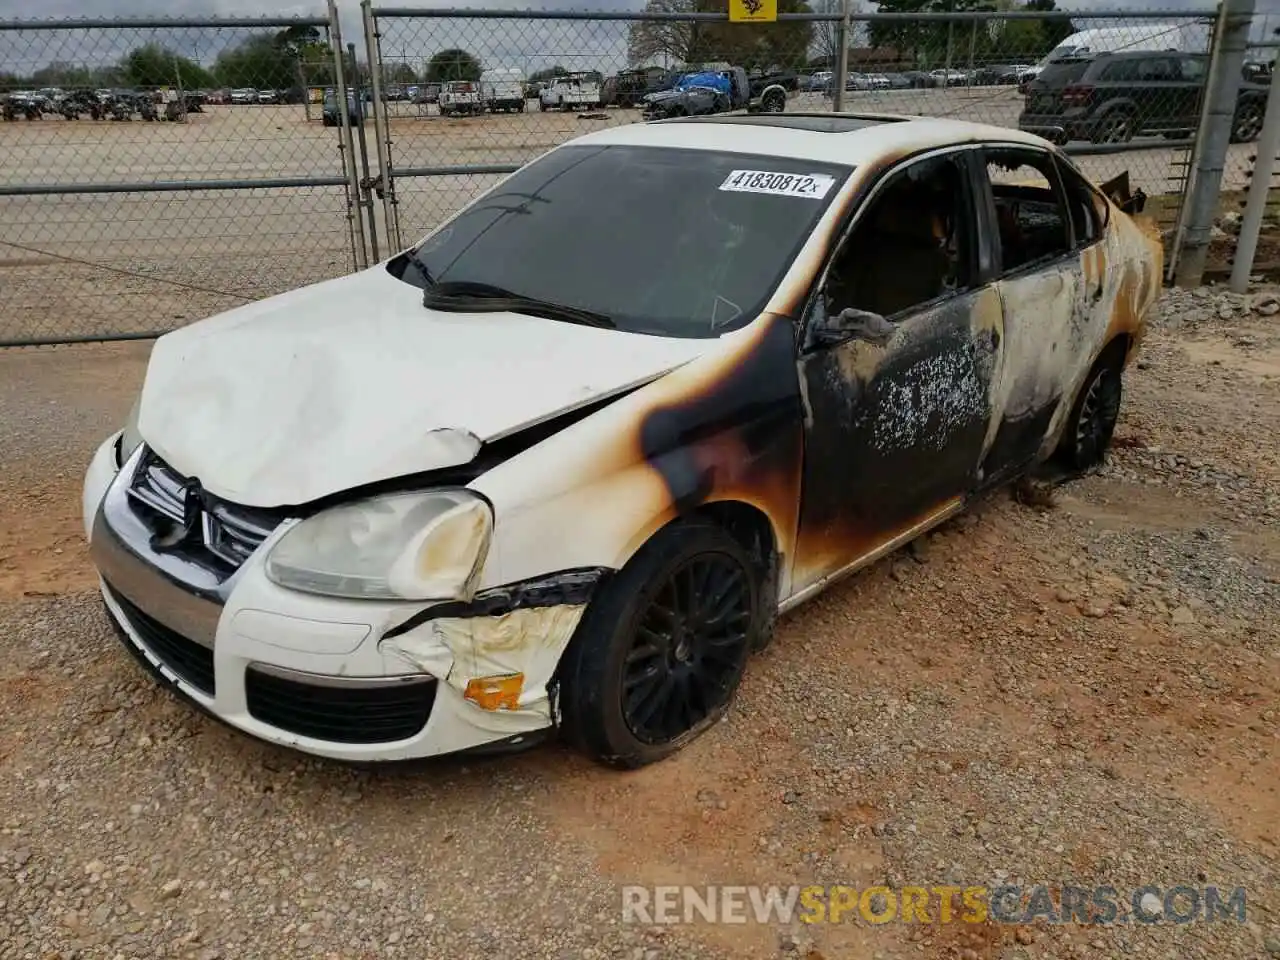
x: 153, y: 172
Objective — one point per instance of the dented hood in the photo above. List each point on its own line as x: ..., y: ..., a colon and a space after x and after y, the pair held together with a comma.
x: 352, y: 381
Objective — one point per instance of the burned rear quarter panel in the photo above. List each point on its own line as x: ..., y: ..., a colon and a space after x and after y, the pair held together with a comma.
x: 1129, y: 264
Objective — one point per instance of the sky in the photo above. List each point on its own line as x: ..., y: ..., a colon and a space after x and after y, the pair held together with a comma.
x: 527, y: 44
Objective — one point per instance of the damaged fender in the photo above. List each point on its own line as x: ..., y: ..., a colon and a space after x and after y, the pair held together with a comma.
x: 500, y: 650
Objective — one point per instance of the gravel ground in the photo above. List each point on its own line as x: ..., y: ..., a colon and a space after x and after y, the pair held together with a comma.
x: 1083, y: 690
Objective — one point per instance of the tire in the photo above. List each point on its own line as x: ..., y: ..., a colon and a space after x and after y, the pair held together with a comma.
x: 774, y: 102
x: 1115, y: 127
x: 1093, y: 417
x: 542, y: 107
x: 1247, y: 123
x: 641, y: 630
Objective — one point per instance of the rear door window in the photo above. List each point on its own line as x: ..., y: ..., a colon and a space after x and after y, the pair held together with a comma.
x: 1061, y: 72
x: 1121, y: 71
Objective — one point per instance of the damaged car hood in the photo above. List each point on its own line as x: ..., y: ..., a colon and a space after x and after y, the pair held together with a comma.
x: 352, y: 381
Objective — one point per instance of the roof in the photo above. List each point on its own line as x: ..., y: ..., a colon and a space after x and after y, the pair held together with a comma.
x: 822, y: 137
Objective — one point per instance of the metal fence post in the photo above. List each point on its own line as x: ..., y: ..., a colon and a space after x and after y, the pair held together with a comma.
x: 1259, y: 189
x: 343, y: 96
x: 381, y: 128
x: 842, y: 62
x: 366, y: 182
x: 1225, y: 75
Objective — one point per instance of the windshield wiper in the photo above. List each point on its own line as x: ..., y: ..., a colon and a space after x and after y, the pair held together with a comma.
x: 484, y: 297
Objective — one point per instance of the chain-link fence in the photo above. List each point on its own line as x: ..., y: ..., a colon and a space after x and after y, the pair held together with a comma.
x: 1123, y: 92
x: 154, y: 172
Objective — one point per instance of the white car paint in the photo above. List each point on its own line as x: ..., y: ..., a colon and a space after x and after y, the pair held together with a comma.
x: 353, y: 381
x: 292, y: 398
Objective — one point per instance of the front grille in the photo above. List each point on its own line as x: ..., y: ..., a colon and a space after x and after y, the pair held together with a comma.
x: 228, y: 534
x: 340, y: 714
x: 190, y: 661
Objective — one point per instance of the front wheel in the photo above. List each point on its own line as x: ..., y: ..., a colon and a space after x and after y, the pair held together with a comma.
x: 1093, y: 418
x: 661, y: 649
x: 1247, y: 124
x: 775, y: 101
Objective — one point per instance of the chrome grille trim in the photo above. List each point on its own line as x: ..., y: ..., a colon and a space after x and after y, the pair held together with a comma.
x: 228, y: 532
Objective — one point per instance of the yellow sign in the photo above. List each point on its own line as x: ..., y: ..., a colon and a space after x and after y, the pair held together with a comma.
x: 753, y: 11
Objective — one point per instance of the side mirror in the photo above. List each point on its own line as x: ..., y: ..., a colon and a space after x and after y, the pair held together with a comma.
x: 852, y: 324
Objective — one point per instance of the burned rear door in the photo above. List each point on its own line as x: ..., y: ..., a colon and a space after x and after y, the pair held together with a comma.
x: 1047, y: 298
x: 902, y: 339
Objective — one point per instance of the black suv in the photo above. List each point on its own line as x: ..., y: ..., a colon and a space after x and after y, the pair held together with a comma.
x: 1113, y: 97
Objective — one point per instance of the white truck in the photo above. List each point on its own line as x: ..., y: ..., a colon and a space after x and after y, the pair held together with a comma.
x: 573, y: 92
x: 502, y: 89
x: 459, y: 97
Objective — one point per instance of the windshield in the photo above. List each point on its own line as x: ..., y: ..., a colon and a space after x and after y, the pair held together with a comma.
x: 685, y: 243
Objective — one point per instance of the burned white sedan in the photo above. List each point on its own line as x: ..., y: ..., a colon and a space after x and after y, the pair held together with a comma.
x: 560, y: 465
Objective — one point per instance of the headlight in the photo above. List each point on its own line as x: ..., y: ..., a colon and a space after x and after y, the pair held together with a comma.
x: 130, y: 438
x: 406, y: 546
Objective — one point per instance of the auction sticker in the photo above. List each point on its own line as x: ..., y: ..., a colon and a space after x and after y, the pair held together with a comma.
x: 811, y: 185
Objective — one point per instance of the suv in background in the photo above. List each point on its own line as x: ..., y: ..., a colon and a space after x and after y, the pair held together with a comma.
x: 1113, y: 97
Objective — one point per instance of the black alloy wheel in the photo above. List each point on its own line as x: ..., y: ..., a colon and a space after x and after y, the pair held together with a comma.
x: 1247, y: 124
x: 662, y: 646
x: 1093, y: 420
x: 687, y: 649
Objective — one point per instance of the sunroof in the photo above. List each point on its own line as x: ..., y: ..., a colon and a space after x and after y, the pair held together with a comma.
x: 817, y: 122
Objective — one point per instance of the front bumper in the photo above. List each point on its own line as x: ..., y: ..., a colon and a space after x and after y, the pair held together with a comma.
x: 349, y: 680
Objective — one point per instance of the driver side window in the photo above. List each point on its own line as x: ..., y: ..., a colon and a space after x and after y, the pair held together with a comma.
x: 913, y: 244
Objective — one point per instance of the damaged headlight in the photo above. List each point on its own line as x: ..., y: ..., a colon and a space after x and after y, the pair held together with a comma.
x: 404, y: 546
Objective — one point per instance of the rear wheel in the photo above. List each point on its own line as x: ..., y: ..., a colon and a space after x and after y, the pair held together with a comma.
x: 1093, y: 418
x: 661, y: 649
x: 775, y: 101
x: 1247, y: 123
x: 1115, y: 127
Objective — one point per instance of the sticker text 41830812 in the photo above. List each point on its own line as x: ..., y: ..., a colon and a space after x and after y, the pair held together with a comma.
x: 813, y: 186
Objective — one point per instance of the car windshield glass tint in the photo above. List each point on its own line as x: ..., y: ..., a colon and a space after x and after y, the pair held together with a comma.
x: 660, y: 240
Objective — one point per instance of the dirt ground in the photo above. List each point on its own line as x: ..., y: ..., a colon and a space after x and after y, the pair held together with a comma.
x: 1082, y: 691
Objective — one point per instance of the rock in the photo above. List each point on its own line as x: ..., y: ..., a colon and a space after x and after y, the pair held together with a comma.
x: 1271, y: 944
x: 1025, y: 936
x: 171, y: 889
x: 790, y: 796
x: 1182, y: 616
x: 1266, y: 305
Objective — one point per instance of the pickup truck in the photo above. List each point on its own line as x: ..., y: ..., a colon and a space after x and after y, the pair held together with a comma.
x: 571, y: 93
x: 717, y: 91
x: 460, y: 97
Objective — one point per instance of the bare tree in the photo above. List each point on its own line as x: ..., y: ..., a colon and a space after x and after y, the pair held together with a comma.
x: 649, y: 40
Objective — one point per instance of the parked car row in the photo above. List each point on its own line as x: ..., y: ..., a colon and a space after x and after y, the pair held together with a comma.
x: 103, y: 104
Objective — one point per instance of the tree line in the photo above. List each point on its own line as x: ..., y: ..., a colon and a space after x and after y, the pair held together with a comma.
x: 800, y: 44
x: 282, y: 60
x: 299, y: 56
